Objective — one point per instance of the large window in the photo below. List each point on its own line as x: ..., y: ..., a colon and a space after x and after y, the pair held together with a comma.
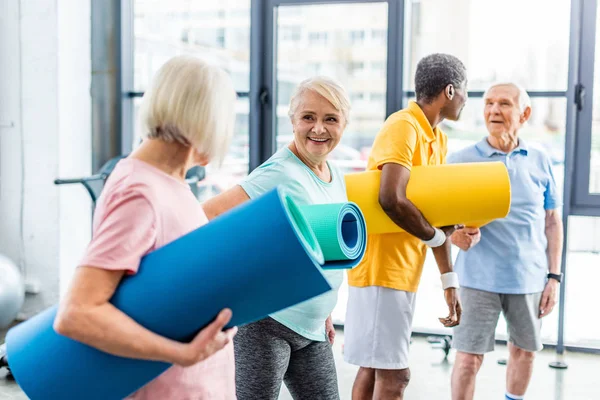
x: 594, y: 178
x: 583, y: 260
x: 373, y: 53
x: 498, y: 41
x: 338, y: 48
x: 494, y: 50
x: 218, y: 32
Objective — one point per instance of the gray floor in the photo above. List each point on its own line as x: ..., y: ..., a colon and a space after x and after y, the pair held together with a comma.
x: 430, y: 377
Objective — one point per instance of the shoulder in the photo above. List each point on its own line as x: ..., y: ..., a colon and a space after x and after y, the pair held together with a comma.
x: 538, y: 153
x: 127, y: 181
x: 279, y: 170
x: 279, y: 164
x: 398, y: 128
x: 400, y: 121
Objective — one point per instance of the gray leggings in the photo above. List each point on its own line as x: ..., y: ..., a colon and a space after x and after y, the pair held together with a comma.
x: 267, y: 353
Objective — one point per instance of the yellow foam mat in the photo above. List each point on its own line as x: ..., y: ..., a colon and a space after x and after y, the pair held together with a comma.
x: 472, y: 194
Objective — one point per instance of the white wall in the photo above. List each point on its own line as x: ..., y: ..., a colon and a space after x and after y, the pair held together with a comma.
x: 45, y: 78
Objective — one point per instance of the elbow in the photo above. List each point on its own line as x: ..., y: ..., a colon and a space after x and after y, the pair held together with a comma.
x: 67, y: 319
x: 554, y: 225
x: 391, y: 203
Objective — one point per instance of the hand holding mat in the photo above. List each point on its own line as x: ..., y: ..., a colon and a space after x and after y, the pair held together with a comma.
x: 341, y: 232
x: 472, y: 194
x: 234, y: 261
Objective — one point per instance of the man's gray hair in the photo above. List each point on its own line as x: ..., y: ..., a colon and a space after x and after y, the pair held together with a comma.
x: 435, y: 72
x: 524, y: 99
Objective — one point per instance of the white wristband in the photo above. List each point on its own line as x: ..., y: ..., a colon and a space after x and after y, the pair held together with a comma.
x: 450, y: 280
x: 438, y: 239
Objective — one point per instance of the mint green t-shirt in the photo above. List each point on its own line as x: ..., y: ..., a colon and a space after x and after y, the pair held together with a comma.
x: 304, y: 187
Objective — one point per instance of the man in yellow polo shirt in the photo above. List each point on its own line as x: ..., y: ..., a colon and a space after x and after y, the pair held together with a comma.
x: 383, y: 287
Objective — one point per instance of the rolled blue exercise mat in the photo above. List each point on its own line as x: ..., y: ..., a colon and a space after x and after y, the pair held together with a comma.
x: 341, y: 231
x: 256, y: 259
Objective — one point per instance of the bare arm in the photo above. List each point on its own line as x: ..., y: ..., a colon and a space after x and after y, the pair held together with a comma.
x: 443, y: 257
x: 87, y: 316
x: 392, y: 198
x: 554, y: 235
x: 224, y: 202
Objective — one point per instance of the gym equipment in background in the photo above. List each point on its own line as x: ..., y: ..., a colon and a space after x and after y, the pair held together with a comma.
x: 341, y: 231
x: 12, y: 296
x: 256, y: 259
x: 441, y: 342
x: 12, y: 291
x: 472, y: 194
x: 4, y: 364
x: 95, y: 183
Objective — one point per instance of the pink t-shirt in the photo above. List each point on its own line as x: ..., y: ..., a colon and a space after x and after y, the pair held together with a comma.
x: 141, y: 209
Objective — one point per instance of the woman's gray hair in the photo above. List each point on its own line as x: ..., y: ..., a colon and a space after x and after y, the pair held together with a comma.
x: 435, y: 72
x: 524, y: 99
x: 193, y: 103
x: 330, y: 89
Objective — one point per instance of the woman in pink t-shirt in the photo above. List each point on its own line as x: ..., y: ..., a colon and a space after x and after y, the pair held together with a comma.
x: 188, y: 117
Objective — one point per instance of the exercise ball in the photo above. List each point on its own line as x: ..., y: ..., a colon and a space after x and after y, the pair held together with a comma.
x: 12, y: 291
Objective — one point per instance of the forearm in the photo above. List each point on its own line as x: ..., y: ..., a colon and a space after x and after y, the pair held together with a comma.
x: 110, y: 330
x: 443, y: 257
x: 404, y: 214
x: 554, y: 235
x: 224, y: 202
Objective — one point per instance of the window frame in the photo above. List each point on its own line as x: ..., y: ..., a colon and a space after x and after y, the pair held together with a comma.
x: 262, y: 96
x: 584, y: 203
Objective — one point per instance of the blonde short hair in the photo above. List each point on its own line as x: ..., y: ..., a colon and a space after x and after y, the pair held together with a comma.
x: 333, y: 91
x: 524, y: 99
x: 193, y: 103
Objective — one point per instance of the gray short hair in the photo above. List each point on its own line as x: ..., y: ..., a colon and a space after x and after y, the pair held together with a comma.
x: 524, y: 99
x: 330, y: 89
x: 435, y: 72
x: 193, y: 103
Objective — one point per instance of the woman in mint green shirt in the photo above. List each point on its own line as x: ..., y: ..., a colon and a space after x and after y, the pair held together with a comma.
x: 294, y: 345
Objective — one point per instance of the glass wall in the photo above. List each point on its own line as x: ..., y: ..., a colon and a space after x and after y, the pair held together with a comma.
x: 352, y: 50
x: 494, y: 50
x: 498, y: 42
x: 218, y: 32
x: 583, y: 261
x: 595, y: 151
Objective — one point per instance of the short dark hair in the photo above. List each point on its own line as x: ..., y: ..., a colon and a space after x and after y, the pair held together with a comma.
x: 435, y: 72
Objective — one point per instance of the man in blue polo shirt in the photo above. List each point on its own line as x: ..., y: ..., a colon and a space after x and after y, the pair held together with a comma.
x: 515, y: 266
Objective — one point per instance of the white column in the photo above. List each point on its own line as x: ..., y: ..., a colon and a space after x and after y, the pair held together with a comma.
x: 45, y: 79
x: 75, y: 132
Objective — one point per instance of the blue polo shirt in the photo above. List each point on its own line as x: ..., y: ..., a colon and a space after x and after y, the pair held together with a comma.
x: 511, y: 256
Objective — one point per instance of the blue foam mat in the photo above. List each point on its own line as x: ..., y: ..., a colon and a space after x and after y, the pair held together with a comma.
x: 356, y: 232
x: 361, y: 245
x: 251, y: 259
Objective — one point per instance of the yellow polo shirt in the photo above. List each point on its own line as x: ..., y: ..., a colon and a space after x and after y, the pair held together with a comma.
x: 395, y: 260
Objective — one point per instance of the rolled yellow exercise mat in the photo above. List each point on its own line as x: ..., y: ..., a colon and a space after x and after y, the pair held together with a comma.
x: 472, y: 194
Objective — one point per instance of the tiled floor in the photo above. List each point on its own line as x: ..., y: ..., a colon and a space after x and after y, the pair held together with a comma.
x: 431, y: 377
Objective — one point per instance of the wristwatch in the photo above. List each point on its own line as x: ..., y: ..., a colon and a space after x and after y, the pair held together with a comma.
x: 557, y: 277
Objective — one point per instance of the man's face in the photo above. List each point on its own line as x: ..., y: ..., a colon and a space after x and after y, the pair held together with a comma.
x: 502, y: 112
x: 458, y: 102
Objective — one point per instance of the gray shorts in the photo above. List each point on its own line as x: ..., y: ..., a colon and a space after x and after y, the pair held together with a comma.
x: 481, y: 310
